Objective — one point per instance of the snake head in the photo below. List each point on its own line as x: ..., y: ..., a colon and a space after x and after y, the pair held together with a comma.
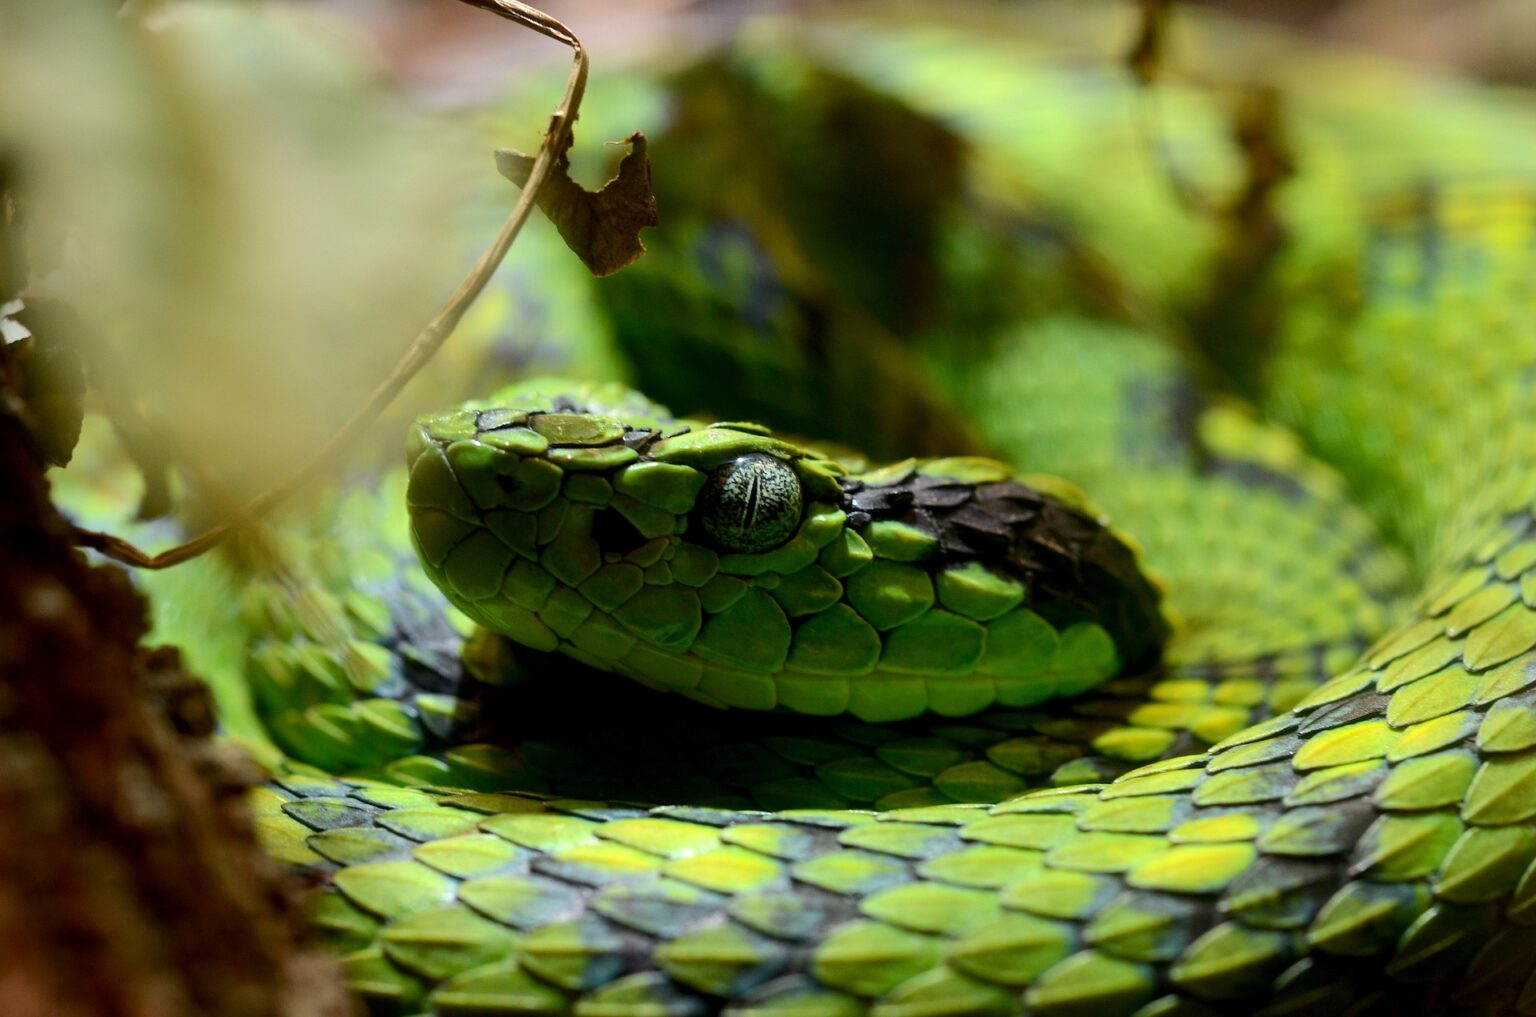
x: 743, y: 569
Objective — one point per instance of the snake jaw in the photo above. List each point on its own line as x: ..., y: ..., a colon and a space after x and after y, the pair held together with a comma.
x: 591, y: 523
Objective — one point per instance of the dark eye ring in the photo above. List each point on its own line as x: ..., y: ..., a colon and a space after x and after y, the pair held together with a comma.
x: 751, y: 504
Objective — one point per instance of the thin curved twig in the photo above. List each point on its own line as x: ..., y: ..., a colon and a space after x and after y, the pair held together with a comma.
x: 428, y: 341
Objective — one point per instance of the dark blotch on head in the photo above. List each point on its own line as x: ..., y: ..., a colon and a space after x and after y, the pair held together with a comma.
x: 613, y: 532
x: 751, y: 504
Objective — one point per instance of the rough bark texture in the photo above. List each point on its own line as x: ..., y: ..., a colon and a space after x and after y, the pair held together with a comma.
x: 130, y: 882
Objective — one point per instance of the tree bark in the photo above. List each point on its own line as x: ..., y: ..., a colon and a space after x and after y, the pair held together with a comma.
x: 130, y: 881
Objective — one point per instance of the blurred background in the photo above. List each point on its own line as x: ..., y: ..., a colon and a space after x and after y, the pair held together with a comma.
x: 859, y: 202
x: 446, y: 50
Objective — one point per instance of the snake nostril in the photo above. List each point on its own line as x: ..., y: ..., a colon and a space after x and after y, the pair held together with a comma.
x: 613, y: 532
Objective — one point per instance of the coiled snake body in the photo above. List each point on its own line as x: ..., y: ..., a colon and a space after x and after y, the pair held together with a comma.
x: 929, y: 746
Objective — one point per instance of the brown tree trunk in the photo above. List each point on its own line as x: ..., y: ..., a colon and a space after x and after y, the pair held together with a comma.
x: 130, y: 882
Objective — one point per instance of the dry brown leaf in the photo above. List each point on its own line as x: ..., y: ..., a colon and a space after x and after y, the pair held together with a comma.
x: 603, y: 226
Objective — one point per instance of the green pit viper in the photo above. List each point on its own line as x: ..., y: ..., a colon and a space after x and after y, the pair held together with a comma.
x: 777, y: 732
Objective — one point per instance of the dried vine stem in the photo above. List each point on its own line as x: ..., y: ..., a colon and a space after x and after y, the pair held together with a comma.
x: 428, y: 340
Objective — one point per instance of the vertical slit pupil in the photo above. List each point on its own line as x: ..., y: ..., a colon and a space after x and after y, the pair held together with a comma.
x: 754, y: 495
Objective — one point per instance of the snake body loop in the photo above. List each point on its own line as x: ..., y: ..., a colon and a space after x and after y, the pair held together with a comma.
x: 938, y: 744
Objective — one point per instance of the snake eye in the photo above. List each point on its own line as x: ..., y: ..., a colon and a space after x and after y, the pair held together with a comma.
x: 751, y: 504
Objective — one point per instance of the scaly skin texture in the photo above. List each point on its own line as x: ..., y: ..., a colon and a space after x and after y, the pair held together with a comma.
x: 1270, y: 821
x: 1365, y: 849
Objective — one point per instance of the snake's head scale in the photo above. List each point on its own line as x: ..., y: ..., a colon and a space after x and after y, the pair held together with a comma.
x: 743, y: 569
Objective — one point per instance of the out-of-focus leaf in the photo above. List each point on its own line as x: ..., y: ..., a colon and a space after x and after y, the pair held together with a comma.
x: 53, y: 381
x: 1146, y: 56
x: 12, y: 268
x: 602, y: 226
x: 267, y: 228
